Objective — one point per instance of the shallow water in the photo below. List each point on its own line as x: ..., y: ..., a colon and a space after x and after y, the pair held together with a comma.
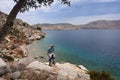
x: 95, y: 49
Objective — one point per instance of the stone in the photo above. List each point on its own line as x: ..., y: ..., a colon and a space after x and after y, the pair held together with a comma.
x: 38, y: 65
x: 17, y: 67
x: 2, y: 63
x: 32, y: 74
x: 1, y: 78
x: 15, y: 75
x: 3, y: 68
x: 25, y: 49
x: 26, y: 60
x: 82, y: 67
x: 8, y: 58
x: 36, y: 57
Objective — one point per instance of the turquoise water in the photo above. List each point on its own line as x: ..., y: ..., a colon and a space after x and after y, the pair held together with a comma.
x: 95, y: 49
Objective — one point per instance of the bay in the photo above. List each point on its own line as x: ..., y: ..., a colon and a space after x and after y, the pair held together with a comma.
x: 95, y: 49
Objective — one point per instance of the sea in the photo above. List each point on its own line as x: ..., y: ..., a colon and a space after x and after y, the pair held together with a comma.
x: 95, y: 49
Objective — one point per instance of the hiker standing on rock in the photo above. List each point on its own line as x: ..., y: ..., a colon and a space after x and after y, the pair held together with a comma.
x: 51, y: 55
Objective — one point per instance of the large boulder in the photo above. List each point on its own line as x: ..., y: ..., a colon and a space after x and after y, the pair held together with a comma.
x: 38, y: 65
x: 21, y: 64
x: 64, y: 71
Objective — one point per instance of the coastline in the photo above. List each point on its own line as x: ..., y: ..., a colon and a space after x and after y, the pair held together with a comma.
x: 25, y: 64
x: 67, y: 51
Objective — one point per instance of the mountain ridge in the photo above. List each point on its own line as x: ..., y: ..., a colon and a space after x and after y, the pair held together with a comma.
x: 99, y: 24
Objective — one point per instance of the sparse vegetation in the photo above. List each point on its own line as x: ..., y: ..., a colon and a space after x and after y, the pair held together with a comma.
x: 95, y: 75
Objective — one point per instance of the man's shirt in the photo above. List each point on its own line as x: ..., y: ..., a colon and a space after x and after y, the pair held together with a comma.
x: 51, y: 50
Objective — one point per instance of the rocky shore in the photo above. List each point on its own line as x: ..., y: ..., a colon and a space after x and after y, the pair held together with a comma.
x: 17, y: 64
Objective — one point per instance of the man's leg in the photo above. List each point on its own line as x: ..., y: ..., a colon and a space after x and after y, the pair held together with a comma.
x: 54, y: 62
x: 50, y: 63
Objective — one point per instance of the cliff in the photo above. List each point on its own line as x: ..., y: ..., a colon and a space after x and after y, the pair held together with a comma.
x: 22, y: 29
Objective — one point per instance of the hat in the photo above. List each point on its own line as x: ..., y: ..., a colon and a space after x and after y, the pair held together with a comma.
x: 51, y: 45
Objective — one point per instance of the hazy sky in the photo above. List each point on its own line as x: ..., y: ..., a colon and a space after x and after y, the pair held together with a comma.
x: 80, y: 12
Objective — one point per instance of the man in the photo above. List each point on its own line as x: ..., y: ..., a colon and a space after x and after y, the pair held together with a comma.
x: 51, y: 55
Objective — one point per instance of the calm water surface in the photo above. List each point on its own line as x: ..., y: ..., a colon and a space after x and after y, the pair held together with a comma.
x: 95, y: 49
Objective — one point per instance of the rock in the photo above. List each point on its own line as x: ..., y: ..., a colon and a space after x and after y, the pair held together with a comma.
x: 69, y: 70
x: 27, y: 60
x: 17, y: 67
x: 2, y: 63
x: 82, y: 67
x: 20, y: 52
x: 10, y: 46
x: 36, y: 57
x: 24, y: 48
x: 32, y: 74
x: 7, y: 58
x: 16, y: 53
x: 1, y: 78
x: 38, y: 65
x: 64, y: 71
x: 3, y: 68
x: 15, y: 75
x: 41, y: 56
x: 21, y: 64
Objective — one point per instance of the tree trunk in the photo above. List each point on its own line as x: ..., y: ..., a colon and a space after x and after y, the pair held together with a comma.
x: 10, y: 19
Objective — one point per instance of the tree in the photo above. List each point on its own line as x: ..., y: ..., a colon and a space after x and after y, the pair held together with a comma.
x: 22, y: 6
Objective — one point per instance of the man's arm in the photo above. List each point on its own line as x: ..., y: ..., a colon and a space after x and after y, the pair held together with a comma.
x: 48, y: 53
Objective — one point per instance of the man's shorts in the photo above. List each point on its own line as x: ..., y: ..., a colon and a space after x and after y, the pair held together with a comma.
x: 52, y: 56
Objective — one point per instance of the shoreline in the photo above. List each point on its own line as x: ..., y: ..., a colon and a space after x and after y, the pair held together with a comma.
x: 63, y: 70
x: 32, y: 63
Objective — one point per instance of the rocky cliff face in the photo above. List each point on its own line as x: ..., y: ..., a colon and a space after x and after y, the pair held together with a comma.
x: 21, y: 33
x: 22, y: 28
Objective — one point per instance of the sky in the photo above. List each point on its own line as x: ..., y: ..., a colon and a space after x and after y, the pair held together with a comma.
x: 80, y: 12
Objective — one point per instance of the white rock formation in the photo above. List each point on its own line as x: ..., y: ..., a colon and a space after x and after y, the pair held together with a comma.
x: 64, y: 71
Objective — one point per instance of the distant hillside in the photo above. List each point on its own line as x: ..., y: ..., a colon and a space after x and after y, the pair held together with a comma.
x: 100, y: 24
x: 59, y: 26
